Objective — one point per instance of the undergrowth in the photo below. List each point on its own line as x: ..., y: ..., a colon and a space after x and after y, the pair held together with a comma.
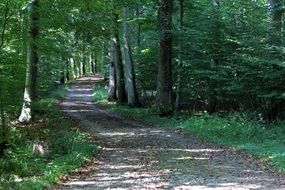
x: 237, y: 130
x: 65, y: 148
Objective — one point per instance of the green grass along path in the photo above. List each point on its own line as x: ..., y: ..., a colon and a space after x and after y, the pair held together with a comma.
x: 137, y: 155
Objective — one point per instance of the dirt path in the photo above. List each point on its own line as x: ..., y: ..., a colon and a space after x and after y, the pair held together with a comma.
x: 140, y: 156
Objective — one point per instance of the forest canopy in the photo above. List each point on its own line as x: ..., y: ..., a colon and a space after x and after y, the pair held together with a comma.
x: 213, y: 55
x: 212, y: 67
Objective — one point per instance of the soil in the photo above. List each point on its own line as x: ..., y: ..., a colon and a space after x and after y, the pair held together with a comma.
x: 138, y: 155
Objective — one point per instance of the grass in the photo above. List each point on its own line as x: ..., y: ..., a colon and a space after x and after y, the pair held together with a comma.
x: 66, y: 148
x: 236, y: 130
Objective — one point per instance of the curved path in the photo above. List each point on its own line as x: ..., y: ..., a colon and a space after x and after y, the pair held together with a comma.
x: 136, y: 155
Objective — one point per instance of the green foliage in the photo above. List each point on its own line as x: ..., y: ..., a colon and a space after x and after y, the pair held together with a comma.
x: 227, y: 58
x: 100, y: 92
x: 230, y: 63
x: 240, y: 132
x: 237, y: 130
x: 66, y: 148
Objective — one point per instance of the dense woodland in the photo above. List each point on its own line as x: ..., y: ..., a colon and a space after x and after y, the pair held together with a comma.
x: 172, y: 56
x: 219, y: 56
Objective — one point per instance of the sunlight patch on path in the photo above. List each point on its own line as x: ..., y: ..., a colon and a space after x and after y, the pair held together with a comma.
x: 138, y: 156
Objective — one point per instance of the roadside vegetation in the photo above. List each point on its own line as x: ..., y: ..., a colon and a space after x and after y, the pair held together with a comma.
x: 40, y: 152
x: 211, y: 67
x: 236, y: 130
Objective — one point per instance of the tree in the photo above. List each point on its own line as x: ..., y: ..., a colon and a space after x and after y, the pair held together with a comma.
x: 276, y: 12
x: 164, y: 77
x: 138, y: 29
x: 133, y: 99
x: 84, y: 59
x: 180, y: 54
x: 112, y: 77
x: 119, y: 69
x: 32, y: 62
x: 215, y: 52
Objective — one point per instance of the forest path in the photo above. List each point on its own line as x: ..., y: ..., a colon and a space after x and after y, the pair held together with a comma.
x: 136, y: 155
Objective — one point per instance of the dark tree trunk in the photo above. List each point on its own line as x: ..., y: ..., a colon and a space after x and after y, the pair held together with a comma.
x: 95, y: 63
x: 276, y: 12
x: 164, y: 77
x: 275, y: 39
x: 84, y: 60
x: 67, y: 73
x: 213, y: 98
x: 138, y: 31
x: 102, y: 58
x: 32, y: 62
x: 116, y: 47
x: 180, y: 59
x: 93, y: 66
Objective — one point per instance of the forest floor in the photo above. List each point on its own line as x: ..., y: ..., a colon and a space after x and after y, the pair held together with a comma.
x: 138, y: 155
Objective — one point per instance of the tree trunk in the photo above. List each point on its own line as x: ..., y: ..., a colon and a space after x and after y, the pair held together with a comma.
x: 138, y: 31
x: 84, y: 60
x: 164, y: 77
x: 180, y: 59
x: 71, y: 66
x: 276, y: 12
x: 94, y: 61
x: 32, y: 62
x: 67, y: 73
x: 74, y: 66
x: 80, y: 64
x: 133, y: 99
x: 116, y: 48
x: 102, y: 58
x: 112, y: 78
x: 216, y: 56
x: 90, y: 61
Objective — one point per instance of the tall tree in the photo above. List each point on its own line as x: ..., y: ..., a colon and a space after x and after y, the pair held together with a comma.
x: 32, y: 62
x: 138, y: 29
x: 276, y: 12
x: 84, y: 58
x: 180, y: 54
x: 164, y: 77
x: 119, y: 69
x: 93, y: 62
x: 67, y: 70
x: 112, y: 77
x: 133, y: 99
x: 215, y: 54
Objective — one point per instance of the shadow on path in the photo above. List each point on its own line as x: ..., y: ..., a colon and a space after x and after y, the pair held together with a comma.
x: 140, y: 156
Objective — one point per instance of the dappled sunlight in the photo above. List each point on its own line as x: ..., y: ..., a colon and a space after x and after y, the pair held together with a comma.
x: 146, y: 168
x: 76, y: 111
x: 81, y: 90
x: 26, y: 113
x: 78, y: 104
x: 118, y: 134
x: 223, y: 186
x: 81, y: 95
x: 122, y: 149
x: 139, y: 156
x: 192, y: 158
x: 197, y: 150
